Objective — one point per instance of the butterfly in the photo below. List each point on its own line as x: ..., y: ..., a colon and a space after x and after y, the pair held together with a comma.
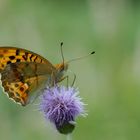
x: 24, y: 73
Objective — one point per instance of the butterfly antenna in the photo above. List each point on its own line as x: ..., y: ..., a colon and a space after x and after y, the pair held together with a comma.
x: 78, y: 58
x: 61, y: 45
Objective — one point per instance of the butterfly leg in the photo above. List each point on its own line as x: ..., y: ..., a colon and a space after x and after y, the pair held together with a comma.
x: 63, y: 78
x: 73, y: 80
x: 67, y: 78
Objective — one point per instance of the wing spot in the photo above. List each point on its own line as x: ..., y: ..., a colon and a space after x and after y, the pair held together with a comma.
x: 5, y: 51
x: 17, y: 94
x: 24, y: 57
x: 1, y: 55
x: 17, y: 52
x: 35, y: 58
x: 11, y: 94
x: 21, y: 78
x: 8, y: 62
x: 21, y: 89
x: 2, y: 65
x: 17, y: 100
x: 18, y: 60
x: 6, y: 88
x: 31, y: 57
x: 16, y: 85
x: 12, y: 57
x: 12, y: 89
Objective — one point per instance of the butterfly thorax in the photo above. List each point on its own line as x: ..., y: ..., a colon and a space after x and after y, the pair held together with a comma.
x: 61, y: 70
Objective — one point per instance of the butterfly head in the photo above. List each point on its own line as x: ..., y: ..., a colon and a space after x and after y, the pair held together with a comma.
x: 61, y: 69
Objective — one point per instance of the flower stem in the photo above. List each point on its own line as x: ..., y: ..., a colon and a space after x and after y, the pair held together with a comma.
x: 69, y: 137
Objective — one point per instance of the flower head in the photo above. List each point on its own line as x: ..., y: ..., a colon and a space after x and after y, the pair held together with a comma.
x: 60, y: 106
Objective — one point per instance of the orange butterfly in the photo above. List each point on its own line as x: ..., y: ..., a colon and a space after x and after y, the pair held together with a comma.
x: 24, y: 73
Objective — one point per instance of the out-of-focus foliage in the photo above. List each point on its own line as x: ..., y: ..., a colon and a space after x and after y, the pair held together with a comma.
x: 109, y: 81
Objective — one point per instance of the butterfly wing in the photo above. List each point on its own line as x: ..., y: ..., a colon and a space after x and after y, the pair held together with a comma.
x: 24, y: 92
x: 23, y: 80
x: 12, y: 55
x: 23, y: 73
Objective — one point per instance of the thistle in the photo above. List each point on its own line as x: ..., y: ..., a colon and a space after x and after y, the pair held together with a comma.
x: 61, y: 105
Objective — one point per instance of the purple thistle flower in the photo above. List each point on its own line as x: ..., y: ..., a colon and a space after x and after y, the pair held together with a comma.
x: 60, y: 106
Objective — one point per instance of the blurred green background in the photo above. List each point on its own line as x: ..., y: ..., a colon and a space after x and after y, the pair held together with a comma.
x: 109, y: 81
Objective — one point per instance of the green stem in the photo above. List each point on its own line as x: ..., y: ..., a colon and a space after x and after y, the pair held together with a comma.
x: 69, y: 137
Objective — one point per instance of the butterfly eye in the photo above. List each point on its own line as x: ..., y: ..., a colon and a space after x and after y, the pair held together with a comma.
x: 62, y: 68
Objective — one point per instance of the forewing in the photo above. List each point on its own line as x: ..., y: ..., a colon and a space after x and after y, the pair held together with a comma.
x: 13, y: 55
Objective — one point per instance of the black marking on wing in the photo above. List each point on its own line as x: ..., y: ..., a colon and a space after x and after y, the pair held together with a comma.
x: 12, y: 57
x: 17, y: 52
